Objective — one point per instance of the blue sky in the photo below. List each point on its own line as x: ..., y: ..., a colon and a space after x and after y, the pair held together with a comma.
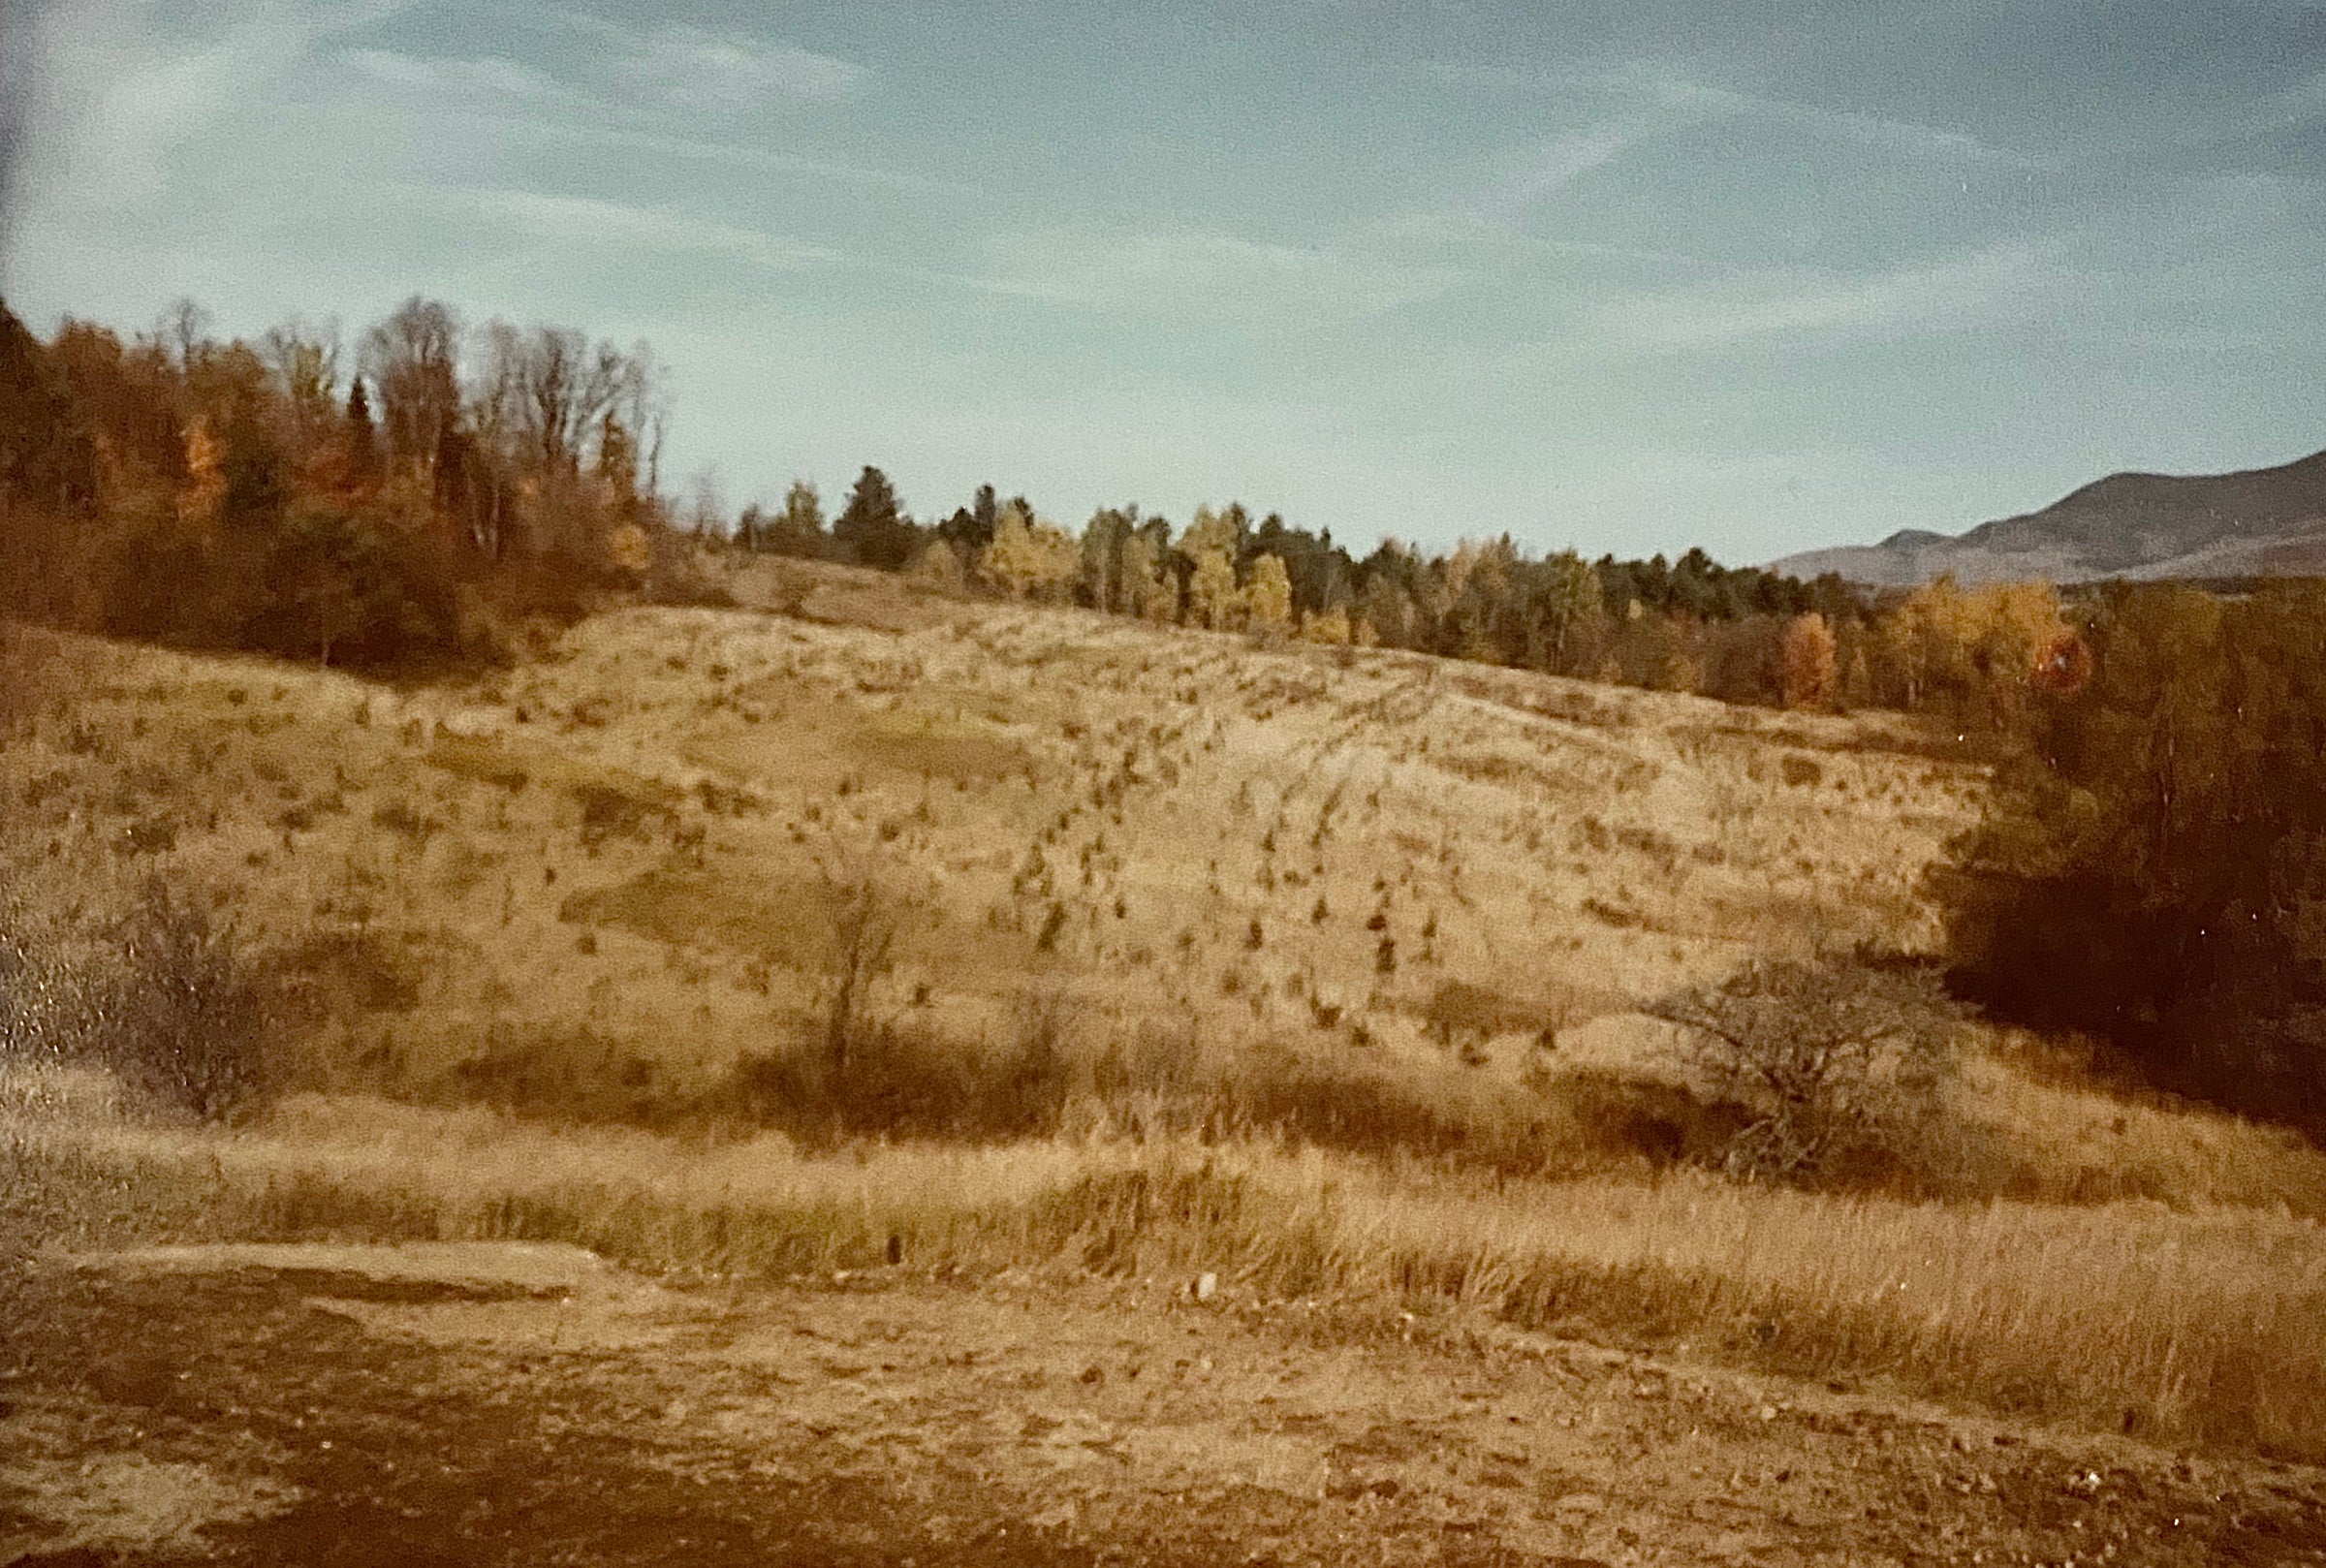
x: 1629, y: 275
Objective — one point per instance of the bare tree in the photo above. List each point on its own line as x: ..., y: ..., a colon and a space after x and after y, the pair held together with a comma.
x: 495, y: 419
x: 872, y: 902
x: 1825, y: 1058
x: 706, y: 504
x: 183, y: 331
x: 304, y: 363
x: 645, y: 409
x: 863, y: 943
x: 567, y: 388
x: 412, y: 358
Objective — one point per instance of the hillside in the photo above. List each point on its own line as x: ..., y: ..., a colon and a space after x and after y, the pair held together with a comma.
x: 1061, y: 808
x: 2259, y: 522
x: 1252, y: 1139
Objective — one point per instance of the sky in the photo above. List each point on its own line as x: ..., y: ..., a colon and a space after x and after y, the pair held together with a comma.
x: 1626, y: 275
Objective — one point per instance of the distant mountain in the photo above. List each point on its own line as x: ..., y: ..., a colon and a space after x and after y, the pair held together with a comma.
x: 2260, y: 522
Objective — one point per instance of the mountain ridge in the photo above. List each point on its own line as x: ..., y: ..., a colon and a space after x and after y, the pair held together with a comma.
x: 2265, y: 521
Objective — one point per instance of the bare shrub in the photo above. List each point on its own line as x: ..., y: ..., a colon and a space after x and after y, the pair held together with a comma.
x: 864, y: 924
x: 1837, y: 1067
x: 575, y: 1075
x: 865, y: 1073
x: 677, y: 573
x: 910, y: 1078
x: 165, y: 997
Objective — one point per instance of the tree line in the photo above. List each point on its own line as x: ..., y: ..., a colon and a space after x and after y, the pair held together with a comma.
x: 1739, y: 633
x: 364, y: 502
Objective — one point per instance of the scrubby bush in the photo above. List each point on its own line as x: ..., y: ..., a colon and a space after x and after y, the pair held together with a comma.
x: 165, y: 997
x: 908, y: 1079
x: 1834, y: 1068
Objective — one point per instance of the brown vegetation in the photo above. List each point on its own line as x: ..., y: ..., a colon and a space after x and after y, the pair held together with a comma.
x: 555, y: 950
x: 2155, y: 871
x: 398, y: 511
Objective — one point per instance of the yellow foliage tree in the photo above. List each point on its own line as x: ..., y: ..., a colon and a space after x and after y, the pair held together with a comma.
x: 1212, y: 592
x: 1030, y: 559
x: 1970, y: 654
x: 1150, y: 592
x: 629, y: 551
x: 1810, y: 662
x: 205, y: 488
x: 1268, y: 596
x: 936, y: 567
x: 1329, y: 627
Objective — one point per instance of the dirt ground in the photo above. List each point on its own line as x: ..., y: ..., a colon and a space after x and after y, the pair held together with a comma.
x: 484, y: 1404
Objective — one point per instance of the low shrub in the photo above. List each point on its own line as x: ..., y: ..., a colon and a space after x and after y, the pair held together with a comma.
x: 165, y: 997
x: 907, y: 1081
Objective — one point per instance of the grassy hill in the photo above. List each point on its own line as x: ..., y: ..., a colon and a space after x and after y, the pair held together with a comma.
x: 639, y: 838
x: 854, y: 927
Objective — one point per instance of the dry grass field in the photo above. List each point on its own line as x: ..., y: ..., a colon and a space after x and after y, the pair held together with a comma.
x: 960, y: 953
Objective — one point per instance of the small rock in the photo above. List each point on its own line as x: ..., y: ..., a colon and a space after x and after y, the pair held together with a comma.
x: 1095, y: 1374
x: 1206, y: 1285
x: 1768, y: 1412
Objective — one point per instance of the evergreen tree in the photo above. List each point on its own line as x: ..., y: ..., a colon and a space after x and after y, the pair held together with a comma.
x: 971, y: 529
x: 872, y: 530
x: 362, y: 437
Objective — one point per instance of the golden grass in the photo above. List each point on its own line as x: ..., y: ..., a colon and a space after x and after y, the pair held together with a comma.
x: 2196, y: 1327
x: 1359, y: 886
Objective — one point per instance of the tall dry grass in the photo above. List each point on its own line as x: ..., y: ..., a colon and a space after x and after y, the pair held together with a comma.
x: 2196, y: 1327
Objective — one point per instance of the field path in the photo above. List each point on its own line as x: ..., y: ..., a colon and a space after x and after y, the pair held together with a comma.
x: 484, y: 1404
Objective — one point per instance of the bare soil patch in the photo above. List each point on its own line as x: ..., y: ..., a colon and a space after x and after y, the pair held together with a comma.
x: 483, y: 1404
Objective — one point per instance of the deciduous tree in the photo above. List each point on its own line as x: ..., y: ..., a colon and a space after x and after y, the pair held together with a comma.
x: 1810, y: 667
x: 1268, y: 596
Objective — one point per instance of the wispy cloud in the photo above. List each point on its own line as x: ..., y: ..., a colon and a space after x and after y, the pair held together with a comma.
x: 1543, y: 171
x: 738, y: 155
x: 1940, y: 297
x: 1498, y: 207
x: 627, y: 69
x: 1912, y: 137
x: 695, y: 68
x: 1677, y: 100
x: 592, y: 221
x: 1198, y: 275
x: 489, y: 77
x: 112, y: 93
